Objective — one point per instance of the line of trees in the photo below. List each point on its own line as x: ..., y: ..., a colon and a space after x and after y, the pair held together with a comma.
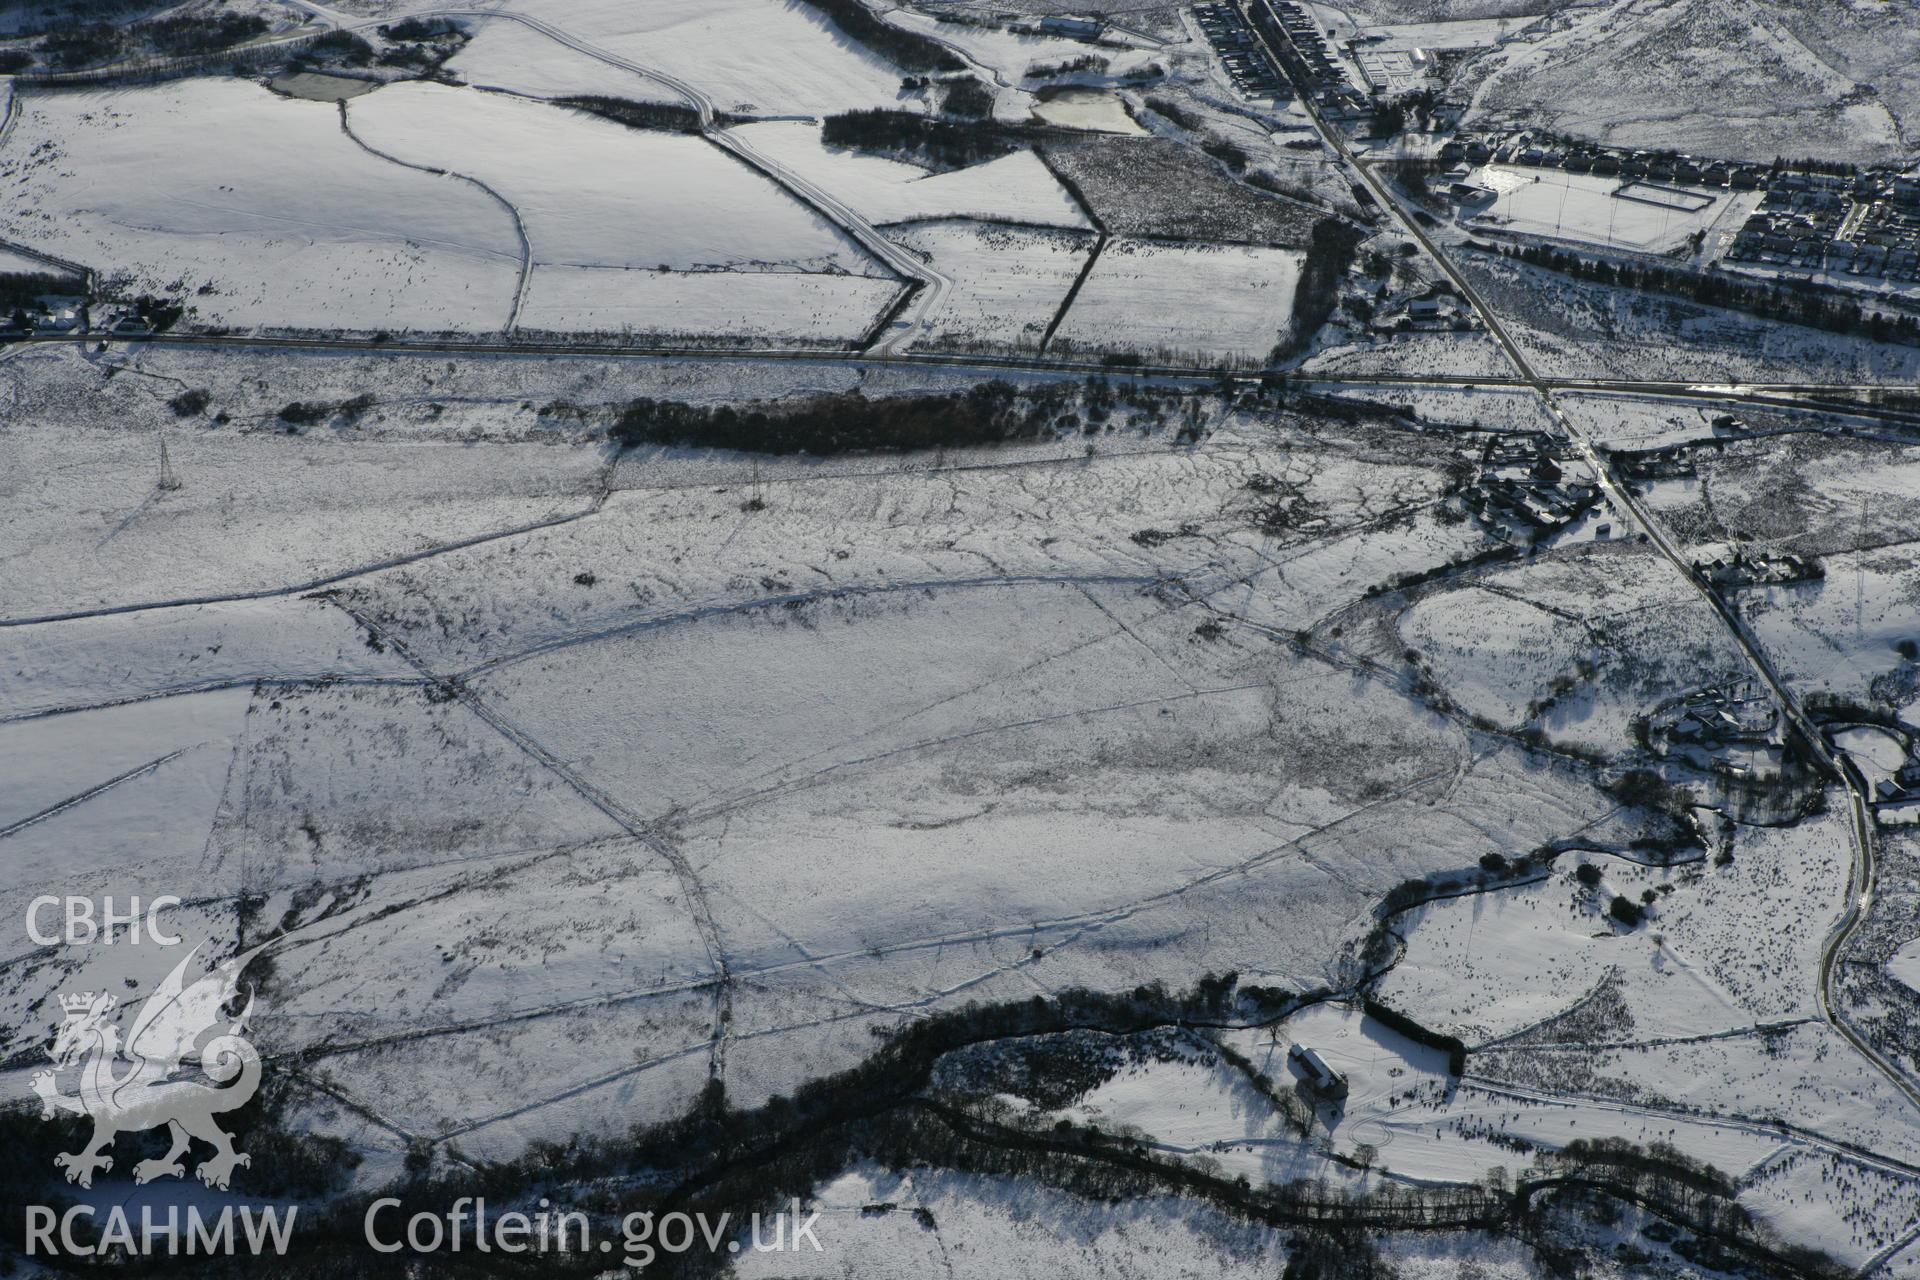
x: 1331, y: 246
x: 1453, y: 1046
x: 989, y: 413
x: 1789, y: 301
x: 940, y: 144
x: 908, y: 50
x: 669, y: 117
x: 90, y: 44
x: 25, y: 288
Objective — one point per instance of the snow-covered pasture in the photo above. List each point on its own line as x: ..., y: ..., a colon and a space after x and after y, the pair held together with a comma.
x: 774, y: 306
x: 1745, y: 82
x: 1724, y: 947
x: 1850, y: 1209
x: 972, y: 699
x: 1852, y: 504
x: 760, y: 57
x: 1574, y: 329
x: 977, y: 1228
x: 1008, y: 282
x: 593, y: 193
x: 1233, y: 301
x: 1579, y: 644
x: 501, y: 53
x: 86, y: 525
x: 1013, y: 188
x: 255, y: 208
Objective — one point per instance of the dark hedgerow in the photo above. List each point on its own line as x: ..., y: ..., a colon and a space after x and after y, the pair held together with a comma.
x: 1330, y: 252
x: 945, y: 144
x: 908, y: 50
x: 829, y: 424
x: 669, y: 117
x: 342, y: 46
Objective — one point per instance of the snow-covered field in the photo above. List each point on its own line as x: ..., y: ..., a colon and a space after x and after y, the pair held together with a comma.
x: 1013, y: 55
x: 618, y: 230
x: 592, y: 193
x: 1747, y: 81
x: 582, y: 787
x: 1591, y: 636
x: 504, y: 54
x: 636, y: 302
x: 1009, y: 282
x: 1852, y: 504
x: 890, y: 682
x: 974, y: 1228
x: 256, y: 208
x: 761, y: 57
x: 1726, y: 947
x: 1574, y: 329
x: 1014, y: 188
x: 1467, y: 33
x: 1215, y: 300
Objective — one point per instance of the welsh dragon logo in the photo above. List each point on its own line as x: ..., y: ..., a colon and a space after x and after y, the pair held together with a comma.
x: 137, y: 1084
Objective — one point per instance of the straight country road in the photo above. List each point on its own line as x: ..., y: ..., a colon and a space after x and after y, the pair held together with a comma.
x: 1864, y: 873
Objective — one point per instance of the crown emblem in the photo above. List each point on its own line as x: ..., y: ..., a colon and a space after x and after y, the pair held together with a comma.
x: 84, y: 1002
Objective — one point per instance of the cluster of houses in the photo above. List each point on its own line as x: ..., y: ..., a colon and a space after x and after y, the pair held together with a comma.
x: 1864, y: 225
x: 1744, y: 568
x: 1253, y: 74
x: 1545, y: 152
x: 47, y: 314
x: 1301, y: 44
x: 54, y: 315
x: 1523, y: 493
x: 1734, y: 731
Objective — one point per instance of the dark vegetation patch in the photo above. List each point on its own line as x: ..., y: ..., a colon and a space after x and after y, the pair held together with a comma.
x: 343, y: 48
x: 967, y: 97
x: 190, y: 403
x: 1782, y: 299
x: 1049, y: 1071
x: 1331, y: 246
x: 668, y: 117
x: 828, y: 424
x: 20, y: 289
x: 160, y: 314
x: 415, y: 30
x: 923, y: 140
x: 307, y: 413
x: 196, y: 33
x: 1157, y: 188
x: 907, y: 50
x: 1452, y: 1046
x: 73, y: 45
